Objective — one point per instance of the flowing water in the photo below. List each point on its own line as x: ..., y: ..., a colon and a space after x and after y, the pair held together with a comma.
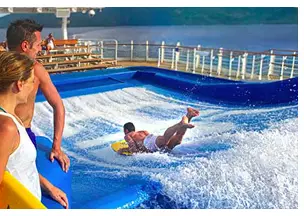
x: 235, y: 157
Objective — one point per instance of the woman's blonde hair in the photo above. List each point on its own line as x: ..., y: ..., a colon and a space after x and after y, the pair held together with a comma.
x: 13, y: 67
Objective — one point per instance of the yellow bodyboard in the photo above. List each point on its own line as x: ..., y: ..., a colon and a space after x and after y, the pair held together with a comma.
x: 119, y: 145
x: 15, y: 196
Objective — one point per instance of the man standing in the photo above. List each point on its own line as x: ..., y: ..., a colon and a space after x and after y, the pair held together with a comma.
x: 24, y: 36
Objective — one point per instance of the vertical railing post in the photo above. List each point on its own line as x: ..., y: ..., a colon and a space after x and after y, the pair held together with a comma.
x: 172, y: 61
x: 177, y: 51
x: 244, y: 64
x: 252, y: 68
x: 230, y: 63
x: 116, y: 50
x: 271, y: 64
x: 187, y: 63
x: 220, y: 60
x: 101, y: 49
x: 203, y: 64
x: 175, y: 62
x: 261, y: 67
x: 177, y: 54
x: 293, y: 64
x: 282, y: 67
x: 198, y: 57
x: 88, y: 48
x: 238, y: 67
x: 159, y: 57
x: 194, y: 59
x: 162, y: 52
x: 147, y: 50
x: 211, y: 62
x: 131, y: 57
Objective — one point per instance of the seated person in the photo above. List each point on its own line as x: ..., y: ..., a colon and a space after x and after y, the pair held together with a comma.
x: 50, y: 43
x: 3, y: 46
x: 143, y: 141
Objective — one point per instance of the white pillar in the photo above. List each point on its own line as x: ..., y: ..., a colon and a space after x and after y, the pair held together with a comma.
x: 172, y: 61
x: 220, y: 59
x: 252, y: 67
x: 162, y: 51
x: 271, y: 63
x: 177, y: 55
x: 239, y: 67
x: 187, y: 63
x: 198, y: 56
x: 177, y: 52
x: 261, y: 67
x: 203, y: 64
x: 88, y: 48
x: 64, y: 28
x: 159, y: 54
x: 230, y: 63
x: 244, y: 64
x: 131, y: 57
x: 194, y: 59
x: 147, y: 50
x: 211, y: 61
x: 116, y: 51
x: 293, y: 64
x: 282, y: 67
x: 176, y: 60
x: 101, y: 49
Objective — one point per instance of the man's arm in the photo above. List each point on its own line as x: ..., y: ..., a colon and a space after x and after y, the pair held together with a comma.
x: 146, y: 133
x: 52, y: 96
x: 131, y: 143
x: 53, y: 191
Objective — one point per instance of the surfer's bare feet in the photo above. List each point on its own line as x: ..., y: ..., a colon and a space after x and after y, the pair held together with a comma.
x: 192, y: 112
x: 185, y: 122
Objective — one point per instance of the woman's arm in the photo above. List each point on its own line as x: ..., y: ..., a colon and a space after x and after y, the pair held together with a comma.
x: 8, y: 134
x: 53, y: 191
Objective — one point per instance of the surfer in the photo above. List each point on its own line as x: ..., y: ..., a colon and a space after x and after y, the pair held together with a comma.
x: 143, y: 141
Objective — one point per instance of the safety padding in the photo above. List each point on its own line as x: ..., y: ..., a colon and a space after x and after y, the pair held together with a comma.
x: 52, y: 172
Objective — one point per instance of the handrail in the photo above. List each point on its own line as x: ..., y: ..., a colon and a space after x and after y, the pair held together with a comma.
x: 116, y: 45
x: 216, y: 49
x: 237, y: 64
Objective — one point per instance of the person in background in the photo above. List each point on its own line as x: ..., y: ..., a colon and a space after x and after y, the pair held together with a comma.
x: 3, y: 46
x: 50, y: 43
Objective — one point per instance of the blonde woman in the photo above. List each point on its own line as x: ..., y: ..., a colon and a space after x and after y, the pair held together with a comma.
x: 17, y: 152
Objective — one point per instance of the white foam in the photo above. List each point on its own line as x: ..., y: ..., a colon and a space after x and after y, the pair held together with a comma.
x: 260, y: 171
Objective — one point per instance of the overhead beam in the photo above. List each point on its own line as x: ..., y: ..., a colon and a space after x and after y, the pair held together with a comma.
x: 40, y: 9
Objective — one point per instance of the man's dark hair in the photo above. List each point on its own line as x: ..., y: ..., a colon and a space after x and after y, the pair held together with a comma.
x: 22, y: 30
x: 129, y: 126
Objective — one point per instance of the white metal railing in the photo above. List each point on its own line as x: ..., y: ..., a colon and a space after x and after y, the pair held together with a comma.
x: 232, y: 64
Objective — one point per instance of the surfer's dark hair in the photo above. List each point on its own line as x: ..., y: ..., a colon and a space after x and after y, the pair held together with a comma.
x: 129, y: 126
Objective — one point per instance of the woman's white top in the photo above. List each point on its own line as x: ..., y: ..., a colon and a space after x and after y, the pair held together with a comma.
x: 22, y: 162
